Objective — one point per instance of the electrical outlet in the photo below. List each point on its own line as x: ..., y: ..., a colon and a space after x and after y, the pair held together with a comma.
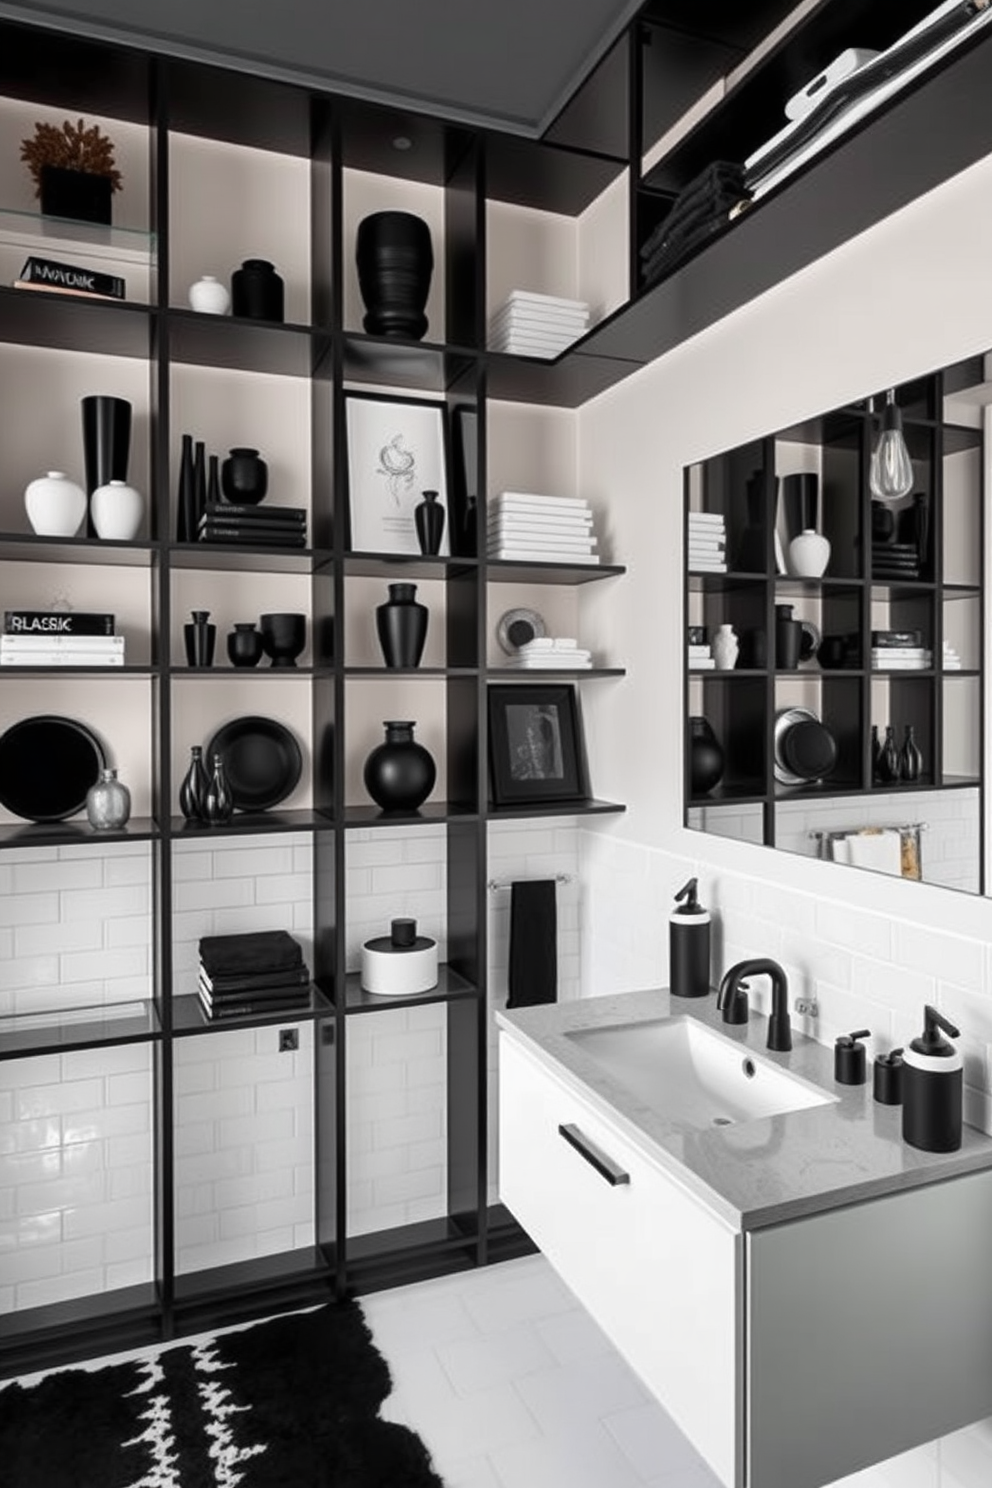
x: 807, y: 1007
x: 289, y: 1039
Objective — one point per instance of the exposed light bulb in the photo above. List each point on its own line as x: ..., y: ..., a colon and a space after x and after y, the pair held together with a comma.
x: 891, y: 474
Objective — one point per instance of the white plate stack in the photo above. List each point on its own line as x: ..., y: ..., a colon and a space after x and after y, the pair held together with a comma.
x: 901, y: 658
x: 701, y: 659
x: 551, y: 653
x: 707, y: 547
x: 952, y: 658
x: 527, y: 528
x: 537, y: 325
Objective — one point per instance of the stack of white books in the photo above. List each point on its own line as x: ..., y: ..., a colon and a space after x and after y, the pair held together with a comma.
x: 900, y: 658
x: 701, y: 659
x: 561, y: 653
x: 528, y: 528
x: 707, y: 542
x: 537, y: 325
x: 952, y: 658
x: 61, y: 651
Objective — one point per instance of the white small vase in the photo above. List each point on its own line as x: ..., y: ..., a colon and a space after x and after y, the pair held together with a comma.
x: 209, y: 296
x: 809, y: 554
x: 117, y: 510
x: 55, y: 505
x: 725, y: 648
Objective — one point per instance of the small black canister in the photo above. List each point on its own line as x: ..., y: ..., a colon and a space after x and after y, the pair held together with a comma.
x: 257, y: 291
x: 689, y: 945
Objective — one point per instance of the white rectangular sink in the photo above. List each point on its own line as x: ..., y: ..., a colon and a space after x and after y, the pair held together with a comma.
x: 687, y: 1072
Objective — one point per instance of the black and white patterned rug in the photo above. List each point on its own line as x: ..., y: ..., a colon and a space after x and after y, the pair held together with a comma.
x: 289, y: 1403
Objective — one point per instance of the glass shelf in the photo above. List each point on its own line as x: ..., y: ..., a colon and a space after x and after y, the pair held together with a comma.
x: 71, y: 833
x: 449, y: 985
x: 188, y: 1017
x: 25, y: 1034
x: 33, y: 231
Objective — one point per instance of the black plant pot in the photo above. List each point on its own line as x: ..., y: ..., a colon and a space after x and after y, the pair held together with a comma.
x: 283, y: 637
x: 400, y: 773
x: 244, y: 645
x: 106, y: 443
x: 402, y: 626
x: 80, y: 195
x: 705, y: 757
x: 428, y: 517
x: 244, y: 477
x: 200, y: 638
x: 257, y: 292
x: 395, y: 261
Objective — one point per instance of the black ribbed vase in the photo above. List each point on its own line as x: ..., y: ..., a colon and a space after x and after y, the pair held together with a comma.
x: 401, y: 624
x: 395, y: 262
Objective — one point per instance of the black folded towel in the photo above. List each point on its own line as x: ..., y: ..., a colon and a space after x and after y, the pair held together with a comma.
x: 533, y: 973
x: 705, y: 197
x: 255, y: 951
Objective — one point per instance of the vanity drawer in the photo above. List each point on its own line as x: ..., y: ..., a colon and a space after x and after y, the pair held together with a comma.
x: 652, y: 1265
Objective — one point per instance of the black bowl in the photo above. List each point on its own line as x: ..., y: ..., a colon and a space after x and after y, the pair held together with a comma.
x: 283, y: 637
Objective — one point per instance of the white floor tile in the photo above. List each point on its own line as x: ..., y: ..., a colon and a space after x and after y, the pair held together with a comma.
x: 586, y: 1391
x: 417, y: 1322
x: 584, y: 1457
x: 656, y: 1448
x: 525, y: 1291
x: 473, y: 1472
x: 572, y: 1336
x: 478, y: 1363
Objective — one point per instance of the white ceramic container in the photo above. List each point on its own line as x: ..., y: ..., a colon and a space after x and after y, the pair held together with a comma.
x: 55, y: 505
x: 209, y: 296
x: 809, y: 554
x: 726, y: 648
x: 117, y: 510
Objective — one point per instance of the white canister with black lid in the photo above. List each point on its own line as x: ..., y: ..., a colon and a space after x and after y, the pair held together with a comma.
x: 399, y: 964
x: 933, y: 1087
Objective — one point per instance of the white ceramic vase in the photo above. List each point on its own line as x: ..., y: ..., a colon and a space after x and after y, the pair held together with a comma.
x: 209, y: 296
x: 55, y: 505
x: 725, y: 648
x: 117, y: 510
x: 809, y: 554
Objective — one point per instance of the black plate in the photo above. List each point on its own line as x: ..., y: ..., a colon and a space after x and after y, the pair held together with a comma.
x: 47, y: 764
x: 262, y: 759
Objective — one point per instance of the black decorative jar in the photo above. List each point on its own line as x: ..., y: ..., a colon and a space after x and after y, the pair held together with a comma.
x: 257, y: 291
x: 80, y: 195
x: 401, y: 624
x: 428, y: 518
x: 200, y: 638
x: 705, y: 757
x: 218, y: 799
x: 244, y: 477
x: 400, y: 773
x: 395, y: 262
x: 283, y: 637
x: 244, y: 644
x: 193, y: 790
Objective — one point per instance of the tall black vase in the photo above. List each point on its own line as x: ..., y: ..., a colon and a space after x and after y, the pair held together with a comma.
x: 395, y: 262
x: 106, y: 443
x: 401, y: 624
x: 199, y: 486
x: 428, y: 519
x: 186, y: 518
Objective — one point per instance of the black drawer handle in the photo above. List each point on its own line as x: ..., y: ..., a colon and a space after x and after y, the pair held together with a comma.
x: 604, y: 1165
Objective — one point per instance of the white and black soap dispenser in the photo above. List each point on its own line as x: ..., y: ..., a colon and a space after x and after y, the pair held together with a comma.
x: 689, y: 945
x: 932, y: 1088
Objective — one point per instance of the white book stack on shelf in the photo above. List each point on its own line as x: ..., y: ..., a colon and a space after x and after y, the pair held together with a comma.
x: 537, y: 325
x: 551, y: 653
x: 701, y: 659
x: 61, y: 651
x: 952, y: 658
x: 527, y: 528
x: 900, y: 659
x: 707, y: 543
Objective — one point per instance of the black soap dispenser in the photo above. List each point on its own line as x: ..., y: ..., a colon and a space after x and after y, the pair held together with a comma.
x: 849, y: 1058
x: 689, y: 945
x: 932, y: 1088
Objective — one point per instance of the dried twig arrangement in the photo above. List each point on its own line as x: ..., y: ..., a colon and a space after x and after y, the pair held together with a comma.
x: 73, y: 147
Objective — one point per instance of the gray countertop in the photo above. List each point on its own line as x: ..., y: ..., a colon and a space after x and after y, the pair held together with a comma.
x: 759, y: 1172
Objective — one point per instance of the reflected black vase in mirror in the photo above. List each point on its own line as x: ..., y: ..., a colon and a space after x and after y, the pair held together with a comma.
x: 788, y: 638
x: 106, y: 443
x: 801, y: 502
x: 400, y: 773
x: 751, y: 552
x: 283, y: 637
x: 193, y: 790
x: 401, y: 624
x: 257, y: 292
x: 395, y: 261
x: 428, y: 517
x: 706, y: 759
x: 200, y: 638
x: 244, y: 644
x: 244, y: 477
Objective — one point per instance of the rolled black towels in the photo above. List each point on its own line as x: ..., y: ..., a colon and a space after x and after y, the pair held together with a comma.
x: 533, y: 971
x: 701, y: 209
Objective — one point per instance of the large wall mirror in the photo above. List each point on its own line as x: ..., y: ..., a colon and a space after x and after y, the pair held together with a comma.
x: 835, y: 695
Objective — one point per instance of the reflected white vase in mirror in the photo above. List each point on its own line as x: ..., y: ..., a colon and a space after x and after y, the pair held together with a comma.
x: 55, y: 505
x: 725, y: 647
x: 117, y: 510
x: 209, y: 296
x: 809, y: 554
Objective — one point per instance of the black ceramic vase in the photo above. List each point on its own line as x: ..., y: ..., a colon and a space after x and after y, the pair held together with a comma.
x: 788, y: 638
x: 910, y: 756
x: 428, y: 517
x: 200, y: 637
x: 283, y: 637
x: 199, y: 486
x: 106, y: 443
x: 218, y: 801
x: 193, y: 790
x: 400, y: 773
x: 244, y: 645
x: 186, y: 518
x: 244, y: 477
x: 257, y: 292
x: 214, y: 497
x: 705, y: 757
x: 888, y: 760
x: 402, y: 626
x: 395, y: 262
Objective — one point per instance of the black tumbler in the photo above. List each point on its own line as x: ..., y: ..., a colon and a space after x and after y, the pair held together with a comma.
x: 106, y: 443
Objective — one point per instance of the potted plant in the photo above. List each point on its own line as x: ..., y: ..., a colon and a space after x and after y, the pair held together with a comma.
x: 73, y: 170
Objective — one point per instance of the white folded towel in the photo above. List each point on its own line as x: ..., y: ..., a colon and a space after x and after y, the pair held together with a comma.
x: 879, y: 850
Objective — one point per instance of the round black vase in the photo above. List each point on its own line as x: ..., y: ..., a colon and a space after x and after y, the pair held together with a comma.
x: 244, y: 477
x: 402, y: 626
x: 705, y: 757
x: 244, y: 645
x: 106, y: 443
x: 257, y: 292
x: 428, y: 517
x: 395, y: 261
x: 283, y: 637
x: 200, y: 638
x: 400, y: 773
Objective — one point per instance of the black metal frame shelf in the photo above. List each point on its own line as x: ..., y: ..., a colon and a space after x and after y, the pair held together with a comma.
x: 449, y: 984
x: 22, y: 1036
x: 189, y: 1019
x: 74, y: 833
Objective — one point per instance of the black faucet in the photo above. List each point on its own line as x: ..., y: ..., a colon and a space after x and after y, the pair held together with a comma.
x: 732, y: 1001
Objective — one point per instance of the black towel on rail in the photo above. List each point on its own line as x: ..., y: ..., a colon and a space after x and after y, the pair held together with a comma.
x: 533, y: 974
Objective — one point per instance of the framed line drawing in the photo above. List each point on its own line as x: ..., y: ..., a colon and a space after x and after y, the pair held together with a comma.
x: 397, y: 448
x: 535, y: 745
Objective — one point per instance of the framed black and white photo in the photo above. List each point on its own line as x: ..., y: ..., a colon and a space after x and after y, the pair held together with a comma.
x: 397, y: 450
x: 535, y: 745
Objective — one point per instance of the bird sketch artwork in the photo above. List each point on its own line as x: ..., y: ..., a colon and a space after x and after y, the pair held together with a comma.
x: 397, y: 450
x: 398, y: 467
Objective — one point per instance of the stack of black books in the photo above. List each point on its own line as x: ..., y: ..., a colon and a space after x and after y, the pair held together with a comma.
x: 253, y: 526
x: 258, y: 972
x: 894, y: 561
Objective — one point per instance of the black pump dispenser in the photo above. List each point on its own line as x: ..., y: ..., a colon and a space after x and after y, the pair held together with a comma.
x: 849, y: 1058
x: 933, y: 1087
x: 689, y: 945
x: 888, y: 1078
